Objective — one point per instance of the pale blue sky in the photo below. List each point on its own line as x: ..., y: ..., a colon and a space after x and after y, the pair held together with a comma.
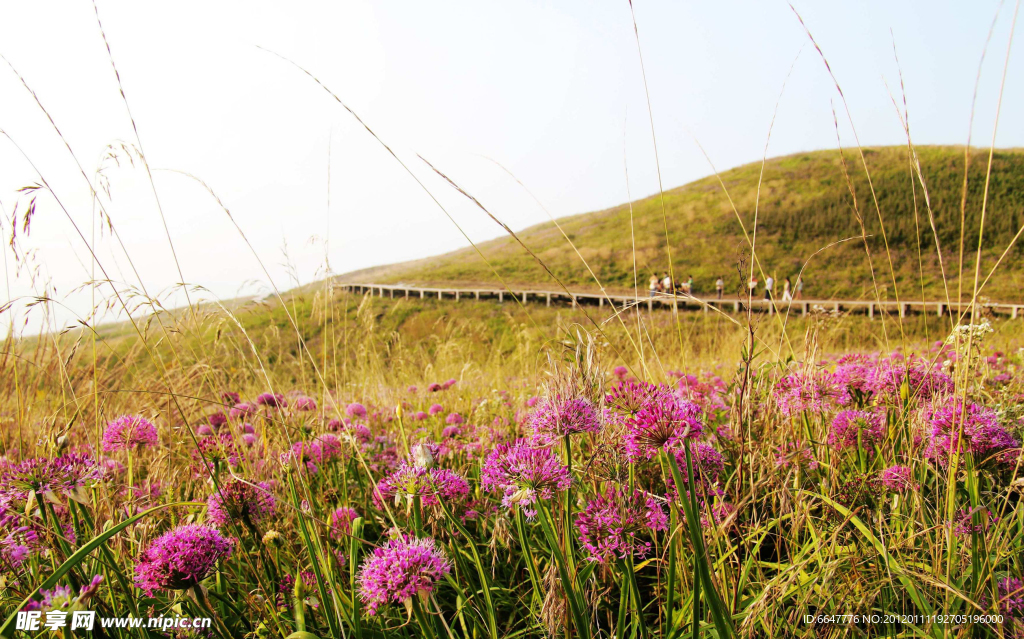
x: 551, y: 90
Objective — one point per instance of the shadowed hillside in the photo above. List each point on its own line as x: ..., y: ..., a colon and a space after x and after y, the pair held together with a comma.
x: 806, y: 205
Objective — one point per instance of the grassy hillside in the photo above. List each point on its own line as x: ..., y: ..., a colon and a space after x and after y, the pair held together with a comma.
x: 805, y: 205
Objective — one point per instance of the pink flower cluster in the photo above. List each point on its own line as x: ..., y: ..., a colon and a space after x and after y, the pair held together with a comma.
x: 524, y: 474
x: 128, y: 433
x: 612, y: 524
x: 181, y: 558
x: 400, y: 570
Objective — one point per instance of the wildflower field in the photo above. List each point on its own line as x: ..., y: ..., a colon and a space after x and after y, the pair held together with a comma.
x: 334, y: 466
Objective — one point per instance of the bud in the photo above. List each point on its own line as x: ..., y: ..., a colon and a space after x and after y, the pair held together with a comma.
x: 421, y: 456
x: 271, y: 538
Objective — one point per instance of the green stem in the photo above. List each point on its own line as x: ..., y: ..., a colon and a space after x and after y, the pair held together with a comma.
x: 567, y: 585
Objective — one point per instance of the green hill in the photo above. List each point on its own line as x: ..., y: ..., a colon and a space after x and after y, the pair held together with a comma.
x: 805, y: 205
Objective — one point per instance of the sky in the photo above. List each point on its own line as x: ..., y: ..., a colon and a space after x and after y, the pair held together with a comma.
x: 551, y: 92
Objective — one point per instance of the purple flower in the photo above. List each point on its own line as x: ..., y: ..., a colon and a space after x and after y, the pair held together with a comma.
x: 451, y: 382
x: 129, y: 432
x: 204, y: 430
x: 431, y: 485
x: 851, y: 426
x: 911, y: 378
x: 660, y: 424
x: 400, y: 570
x: 620, y: 371
x: 181, y: 558
x: 629, y: 396
x: 610, y: 524
x: 434, y: 387
x: 248, y: 503
x: 412, y: 389
x: 248, y: 428
x: 40, y: 475
x: 435, y: 409
x: 708, y: 464
x: 812, y: 391
x: 978, y: 426
x: 230, y: 397
x: 304, y: 404
x: 341, y: 523
x: 242, y: 410
x: 218, y: 419
x: 557, y: 417
x: 321, y: 449
x: 718, y: 514
x: 453, y: 418
x: 273, y: 400
x: 1011, y: 597
x: 897, y: 479
x: 963, y: 521
x: 524, y: 474
x: 355, y: 410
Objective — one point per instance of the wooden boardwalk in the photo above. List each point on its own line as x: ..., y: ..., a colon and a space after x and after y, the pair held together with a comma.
x: 681, y: 302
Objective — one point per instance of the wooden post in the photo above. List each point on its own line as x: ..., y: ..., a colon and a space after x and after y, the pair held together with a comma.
x: 548, y: 299
x: 600, y: 302
x: 903, y: 310
x: 477, y: 294
x: 407, y: 292
x: 456, y: 295
x: 736, y: 307
x: 650, y: 304
x: 391, y: 293
x: 940, y: 309
x: 871, y: 310
x: 525, y: 296
x: 501, y: 296
x: 803, y: 309
x: 421, y: 293
x: 439, y: 294
x: 1013, y: 314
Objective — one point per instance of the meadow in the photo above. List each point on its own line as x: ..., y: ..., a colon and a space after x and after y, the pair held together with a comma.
x: 334, y: 466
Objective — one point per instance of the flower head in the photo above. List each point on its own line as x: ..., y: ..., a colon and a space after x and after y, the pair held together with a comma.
x: 611, y: 523
x: 400, y: 570
x: 812, y: 391
x: 341, y: 523
x: 557, y: 417
x: 304, y: 404
x: 181, y: 558
x: 852, y: 426
x: 273, y: 400
x: 431, y: 485
x: 524, y: 474
x: 976, y: 425
x: 248, y: 503
x: 129, y: 432
x: 897, y: 479
x: 356, y: 410
x: 660, y: 424
x: 242, y: 410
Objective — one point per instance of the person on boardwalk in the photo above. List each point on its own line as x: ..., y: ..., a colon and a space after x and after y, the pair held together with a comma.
x: 666, y: 284
x: 689, y: 286
x: 752, y: 285
x: 719, y: 286
x: 787, y: 294
x: 769, y: 284
x: 799, y: 287
x: 654, y: 284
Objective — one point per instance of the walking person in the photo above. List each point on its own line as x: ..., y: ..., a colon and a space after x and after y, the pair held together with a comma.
x: 799, y: 287
x: 787, y: 295
x: 769, y: 284
x: 719, y: 286
x: 653, y: 285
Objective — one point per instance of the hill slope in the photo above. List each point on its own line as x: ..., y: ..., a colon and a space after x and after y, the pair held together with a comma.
x: 805, y: 205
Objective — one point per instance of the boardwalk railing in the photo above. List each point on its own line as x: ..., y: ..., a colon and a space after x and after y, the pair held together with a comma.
x: 677, y: 302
